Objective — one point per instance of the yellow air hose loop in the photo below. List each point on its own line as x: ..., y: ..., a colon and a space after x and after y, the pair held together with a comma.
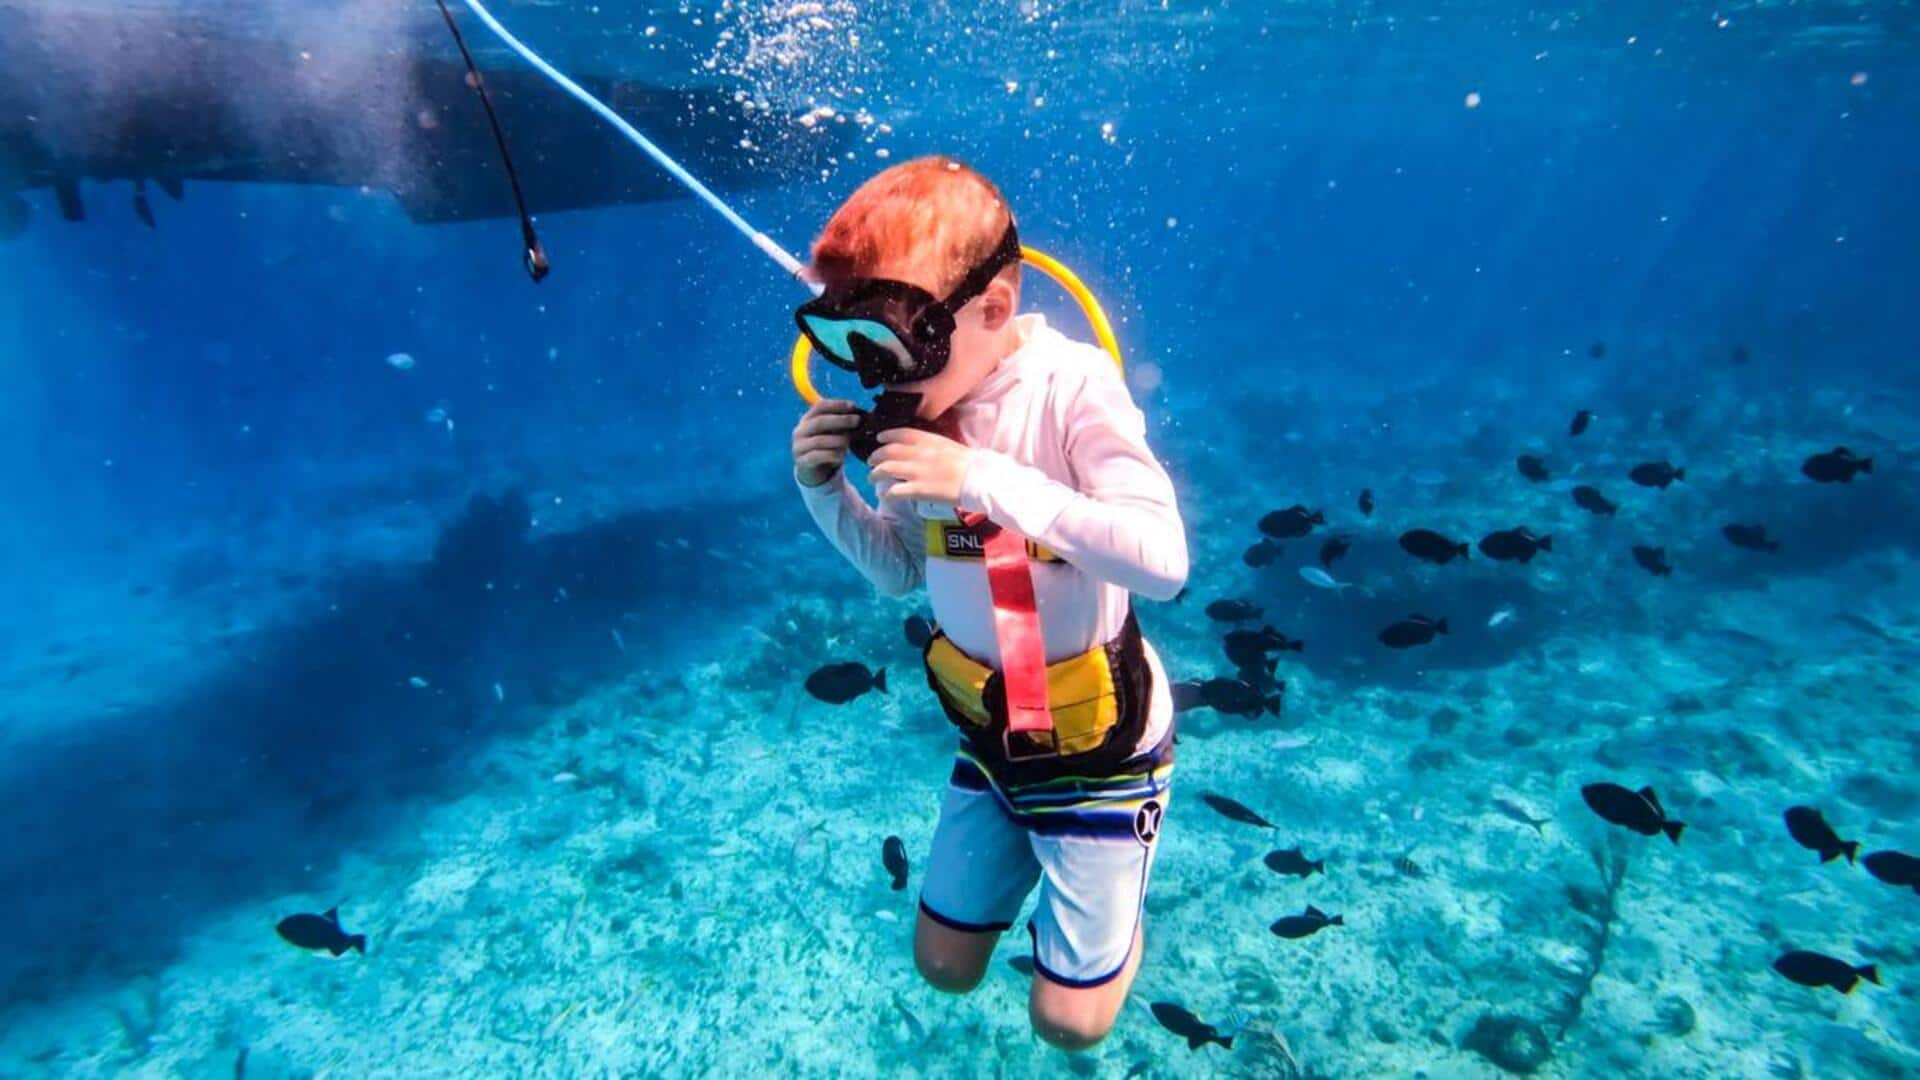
x: 800, y: 363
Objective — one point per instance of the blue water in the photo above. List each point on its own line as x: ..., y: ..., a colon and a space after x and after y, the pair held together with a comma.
x: 270, y: 644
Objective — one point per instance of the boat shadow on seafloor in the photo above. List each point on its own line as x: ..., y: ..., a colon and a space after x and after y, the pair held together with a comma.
x: 285, y: 755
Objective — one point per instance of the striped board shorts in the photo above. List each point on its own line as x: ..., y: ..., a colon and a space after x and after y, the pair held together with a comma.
x: 1088, y: 842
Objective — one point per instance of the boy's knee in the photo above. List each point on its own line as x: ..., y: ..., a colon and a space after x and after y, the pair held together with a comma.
x: 944, y: 974
x: 1070, y: 1029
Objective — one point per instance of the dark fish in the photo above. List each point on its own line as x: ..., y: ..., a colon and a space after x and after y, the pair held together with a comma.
x: 1818, y: 969
x: 1751, y: 537
x: 1656, y: 474
x: 1232, y: 611
x: 1189, y: 694
x: 1334, y: 550
x: 1306, y: 924
x: 1366, y: 502
x: 1514, y: 545
x: 919, y: 631
x: 1292, y: 523
x: 837, y: 684
x: 1653, y: 560
x: 320, y: 932
x: 1021, y: 963
x: 1836, y: 466
x: 1197, y: 1032
x: 1739, y: 355
x: 893, y: 856
x: 1249, y: 648
x: 1289, y: 861
x: 1533, y: 468
x: 1589, y: 499
x: 1239, y: 697
x: 1262, y: 554
x: 914, y: 1027
x: 1894, y: 868
x: 1260, y: 677
x: 1636, y: 810
x: 1412, y: 631
x: 1430, y: 546
x: 1811, y: 831
x: 1580, y: 421
x: 1234, y: 811
x: 1597, y: 350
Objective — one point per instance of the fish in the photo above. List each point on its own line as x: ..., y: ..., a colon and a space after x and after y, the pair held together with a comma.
x: 1580, y: 421
x: 1514, y: 810
x: 400, y: 361
x: 1500, y: 618
x: 1810, y: 830
x: 1262, y: 553
x: 320, y: 933
x: 1139, y: 1068
x: 1289, y: 861
x: 1818, y: 970
x: 1653, y: 560
x: 1197, y: 1032
x: 1636, y: 810
x: 1366, y: 502
x: 1334, y: 550
x: 1837, y: 466
x: 1588, y: 498
x: 1233, y: 610
x: 1238, y: 697
x: 1188, y: 694
x: 1514, y: 545
x: 1022, y: 963
x: 1411, y: 631
x: 1292, y: 523
x: 914, y: 1027
x: 837, y: 684
x: 1894, y: 868
x: 1739, y: 354
x: 1320, y: 579
x: 1597, y: 350
x: 1751, y: 537
x: 1306, y: 924
x: 893, y: 856
x: 1532, y: 468
x: 919, y: 631
x: 1234, y: 810
x: 1250, y: 647
x: 1429, y: 546
x: 1656, y: 474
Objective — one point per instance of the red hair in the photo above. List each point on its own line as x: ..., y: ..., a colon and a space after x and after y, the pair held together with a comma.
x: 926, y: 221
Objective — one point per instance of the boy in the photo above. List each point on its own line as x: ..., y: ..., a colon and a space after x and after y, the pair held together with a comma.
x: 1039, y: 445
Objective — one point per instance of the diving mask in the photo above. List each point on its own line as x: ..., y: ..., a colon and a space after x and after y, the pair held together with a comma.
x: 889, y: 331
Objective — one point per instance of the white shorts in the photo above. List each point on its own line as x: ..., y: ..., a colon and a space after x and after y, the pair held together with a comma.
x: 1089, y: 842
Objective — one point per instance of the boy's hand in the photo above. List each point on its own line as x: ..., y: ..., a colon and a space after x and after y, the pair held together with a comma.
x: 820, y: 440
x: 922, y: 465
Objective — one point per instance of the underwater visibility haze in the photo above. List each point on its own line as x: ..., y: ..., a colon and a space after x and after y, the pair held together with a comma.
x: 408, y: 668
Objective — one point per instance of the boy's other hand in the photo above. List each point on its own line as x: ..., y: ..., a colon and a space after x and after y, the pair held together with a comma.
x: 820, y: 439
x: 921, y: 464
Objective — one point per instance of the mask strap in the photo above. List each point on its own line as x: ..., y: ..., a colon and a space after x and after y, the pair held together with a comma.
x: 976, y: 282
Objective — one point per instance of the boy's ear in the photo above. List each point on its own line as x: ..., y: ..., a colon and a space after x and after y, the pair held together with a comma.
x: 999, y: 303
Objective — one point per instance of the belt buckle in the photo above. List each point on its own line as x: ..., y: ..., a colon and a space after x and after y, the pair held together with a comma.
x: 1034, y: 754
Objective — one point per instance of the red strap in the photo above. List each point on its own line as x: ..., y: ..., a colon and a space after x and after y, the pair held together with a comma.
x: 1016, y: 626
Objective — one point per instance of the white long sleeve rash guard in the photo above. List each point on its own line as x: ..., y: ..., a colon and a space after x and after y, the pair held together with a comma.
x: 1059, y: 455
